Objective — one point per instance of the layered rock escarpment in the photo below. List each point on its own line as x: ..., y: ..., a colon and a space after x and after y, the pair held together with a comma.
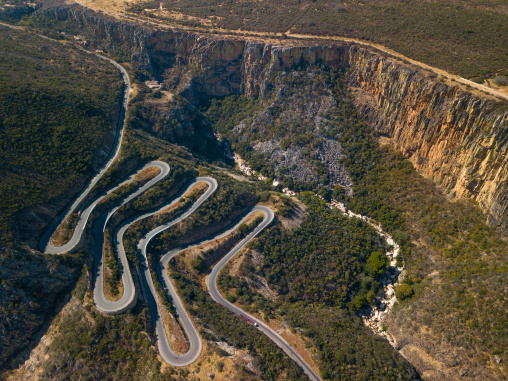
x: 458, y: 139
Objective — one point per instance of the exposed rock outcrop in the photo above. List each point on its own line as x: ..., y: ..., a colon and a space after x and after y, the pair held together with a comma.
x: 458, y: 139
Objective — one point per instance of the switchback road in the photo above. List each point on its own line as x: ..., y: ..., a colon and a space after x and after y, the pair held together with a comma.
x: 129, y: 297
x: 165, y: 350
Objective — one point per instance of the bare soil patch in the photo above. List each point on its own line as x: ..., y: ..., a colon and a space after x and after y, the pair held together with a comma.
x: 147, y: 174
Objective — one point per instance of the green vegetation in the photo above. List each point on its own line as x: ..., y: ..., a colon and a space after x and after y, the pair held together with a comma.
x: 322, y: 273
x: 463, y: 37
x: 376, y: 264
x: 456, y: 270
x: 227, y: 203
x: 52, y: 120
x: 454, y: 241
x: 348, y: 350
x: 150, y: 201
x: 246, y: 228
x: 31, y: 286
x: 326, y: 260
x: 404, y: 291
x: 287, y: 128
x: 231, y: 328
x: 16, y: 10
x: 325, y: 270
x: 176, y: 121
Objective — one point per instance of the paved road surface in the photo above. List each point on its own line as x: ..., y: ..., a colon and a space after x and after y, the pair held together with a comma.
x: 193, y: 336
x: 216, y: 295
x: 45, y: 242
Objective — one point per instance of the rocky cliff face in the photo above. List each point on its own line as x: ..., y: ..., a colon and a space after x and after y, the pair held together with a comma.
x: 456, y: 138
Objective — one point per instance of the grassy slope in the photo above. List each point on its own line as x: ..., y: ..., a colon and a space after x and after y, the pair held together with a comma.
x: 463, y: 37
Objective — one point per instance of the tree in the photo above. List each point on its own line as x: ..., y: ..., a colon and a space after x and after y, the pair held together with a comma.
x: 197, y: 263
x: 404, y: 291
x: 376, y: 264
x: 339, y: 193
x: 371, y: 297
x: 359, y: 302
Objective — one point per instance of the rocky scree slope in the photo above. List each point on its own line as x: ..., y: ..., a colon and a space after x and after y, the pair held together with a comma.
x: 457, y: 138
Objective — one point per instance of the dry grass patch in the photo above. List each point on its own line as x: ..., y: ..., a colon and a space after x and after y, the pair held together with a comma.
x: 300, y: 344
x: 174, y: 331
x: 192, y: 253
x: 290, y: 211
x: 65, y: 230
x: 110, y: 6
x: 147, y: 174
x: 235, y: 264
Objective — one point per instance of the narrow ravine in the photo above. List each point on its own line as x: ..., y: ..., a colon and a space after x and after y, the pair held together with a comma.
x: 372, y: 316
x: 392, y: 277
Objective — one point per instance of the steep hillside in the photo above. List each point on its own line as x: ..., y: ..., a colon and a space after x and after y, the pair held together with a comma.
x: 46, y: 97
x: 55, y: 125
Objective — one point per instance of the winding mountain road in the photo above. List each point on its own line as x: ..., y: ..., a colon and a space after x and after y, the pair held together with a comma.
x: 216, y: 295
x: 129, y: 297
x: 165, y: 350
x: 45, y: 242
x: 190, y: 330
